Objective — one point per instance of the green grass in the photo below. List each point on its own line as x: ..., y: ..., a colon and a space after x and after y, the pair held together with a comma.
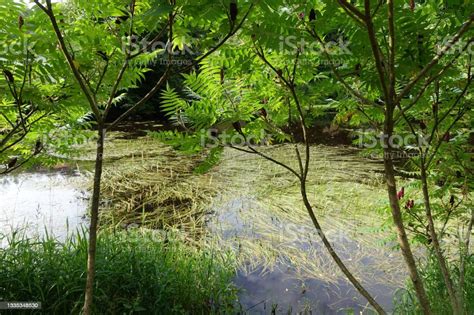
x: 407, y: 304
x: 137, y: 272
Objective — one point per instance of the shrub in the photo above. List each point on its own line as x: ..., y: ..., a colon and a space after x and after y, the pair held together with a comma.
x: 407, y: 304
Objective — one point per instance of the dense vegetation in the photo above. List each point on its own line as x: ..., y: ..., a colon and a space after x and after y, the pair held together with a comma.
x: 137, y: 272
x: 433, y: 278
x: 246, y: 75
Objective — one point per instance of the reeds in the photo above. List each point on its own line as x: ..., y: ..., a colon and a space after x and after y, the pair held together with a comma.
x: 254, y: 207
x: 148, y: 184
x: 262, y: 218
x: 138, y: 271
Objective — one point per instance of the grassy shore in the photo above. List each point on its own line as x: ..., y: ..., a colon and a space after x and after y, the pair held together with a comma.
x: 138, y: 271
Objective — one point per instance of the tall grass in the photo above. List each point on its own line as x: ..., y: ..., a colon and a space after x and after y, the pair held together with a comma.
x: 407, y: 304
x: 137, y: 271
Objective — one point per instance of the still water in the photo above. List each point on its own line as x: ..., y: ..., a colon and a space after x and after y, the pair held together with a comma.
x: 35, y: 202
x: 57, y: 202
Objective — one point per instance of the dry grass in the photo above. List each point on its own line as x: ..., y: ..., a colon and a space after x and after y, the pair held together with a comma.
x: 253, y: 207
x: 261, y: 215
x: 148, y: 184
x: 258, y: 212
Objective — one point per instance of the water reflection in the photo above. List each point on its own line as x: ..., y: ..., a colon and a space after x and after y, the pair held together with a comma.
x: 282, y: 291
x: 38, y: 201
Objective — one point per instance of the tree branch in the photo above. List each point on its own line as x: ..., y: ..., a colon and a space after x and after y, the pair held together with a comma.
x: 218, y: 45
x: 49, y: 12
x: 430, y: 80
x: 436, y: 59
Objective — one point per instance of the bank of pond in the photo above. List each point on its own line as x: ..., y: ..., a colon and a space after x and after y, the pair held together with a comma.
x: 233, y: 240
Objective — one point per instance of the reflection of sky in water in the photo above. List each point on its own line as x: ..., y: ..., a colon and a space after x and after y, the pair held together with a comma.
x: 33, y: 202
x: 283, y: 291
x: 285, y: 288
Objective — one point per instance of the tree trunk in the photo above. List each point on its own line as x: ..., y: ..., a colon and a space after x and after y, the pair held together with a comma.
x: 334, y: 255
x: 89, y: 291
x: 436, y: 246
x: 398, y: 220
x: 462, y: 266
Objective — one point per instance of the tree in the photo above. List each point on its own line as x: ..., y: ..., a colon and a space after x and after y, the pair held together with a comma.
x: 268, y: 80
x: 102, y: 63
x: 400, y: 87
x: 385, y: 91
x: 36, y: 94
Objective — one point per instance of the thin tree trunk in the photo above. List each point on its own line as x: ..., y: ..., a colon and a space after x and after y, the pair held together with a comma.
x: 437, y: 248
x: 334, y: 255
x: 89, y: 291
x: 462, y: 265
x: 304, y: 169
x: 397, y: 217
x: 390, y: 95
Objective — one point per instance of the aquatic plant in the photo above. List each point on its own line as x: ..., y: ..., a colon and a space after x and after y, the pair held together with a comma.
x: 159, y: 191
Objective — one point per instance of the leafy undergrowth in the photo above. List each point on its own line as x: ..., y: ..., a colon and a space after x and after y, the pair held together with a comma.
x: 407, y: 303
x: 136, y: 271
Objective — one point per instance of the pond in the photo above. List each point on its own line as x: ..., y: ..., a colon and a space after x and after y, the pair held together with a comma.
x: 35, y: 202
x: 257, y: 214
x: 260, y: 216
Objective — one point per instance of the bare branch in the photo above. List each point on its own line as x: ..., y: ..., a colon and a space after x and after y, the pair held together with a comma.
x: 353, y: 12
x: 115, y: 87
x: 338, y: 76
x: 254, y: 151
x: 379, y: 63
x: 461, y: 112
x: 430, y: 80
x: 154, y: 40
x: 391, y: 54
x: 101, y: 78
x: 218, y: 45
x: 144, y: 99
